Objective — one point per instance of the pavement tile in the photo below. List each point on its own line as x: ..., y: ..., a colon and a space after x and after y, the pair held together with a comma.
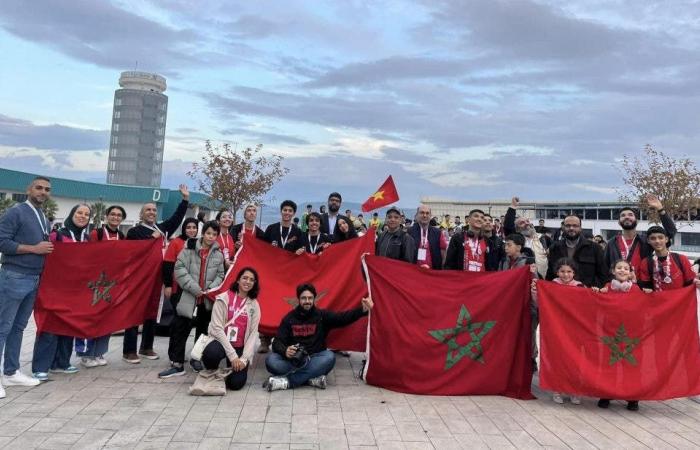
x: 248, y: 432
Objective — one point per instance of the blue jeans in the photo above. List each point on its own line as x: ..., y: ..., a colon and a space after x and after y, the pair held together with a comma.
x: 321, y: 363
x: 94, y: 347
x: 17, y: 293
x: 51, y: 351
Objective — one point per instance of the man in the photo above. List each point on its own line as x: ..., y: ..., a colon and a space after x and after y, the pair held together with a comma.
x: 375, y: 222
x: 24, y: 235
x: 496, y: 248
x: 631, y: 245
x: 247, y: 229
x: 534, y: 243
x: 304, y: 221
x: 663, y: 270
x: 447, y: 222
x: 299, y: 353
x: 149, y: 229
x: 329, y: 220
x: 588, y: 255
x: 395, y: 243
x: 541, y: 228
x: 468, y: 249
x: 348, y: 214
x: 458, y: 222
x: 430, y: 248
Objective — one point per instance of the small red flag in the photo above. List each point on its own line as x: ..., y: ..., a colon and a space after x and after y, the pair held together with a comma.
x: 94, y: 289
x: 627, y: 346
x: 385, y: 195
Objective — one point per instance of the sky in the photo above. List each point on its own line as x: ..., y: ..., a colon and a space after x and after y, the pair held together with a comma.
x: 462, y: 100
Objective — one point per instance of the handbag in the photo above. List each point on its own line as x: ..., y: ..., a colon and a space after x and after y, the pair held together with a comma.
x: 199, y: 346
x: 210, y: 382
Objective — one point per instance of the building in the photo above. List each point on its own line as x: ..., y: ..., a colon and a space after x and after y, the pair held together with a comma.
x: 138, y: 130
x: 68, y: 193
x: 597, y: 217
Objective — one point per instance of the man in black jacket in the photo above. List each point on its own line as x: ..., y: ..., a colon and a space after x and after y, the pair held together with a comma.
x: 247, y: 228
x: 329, y: 220
x: 395, y: 243
x: 149, y: 229
x: 588, y: 255
x: 430, y: 246
x: 299, y: 354
x: 483, y: 254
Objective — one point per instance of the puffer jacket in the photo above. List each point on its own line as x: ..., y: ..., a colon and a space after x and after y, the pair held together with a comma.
x: 187, y: 275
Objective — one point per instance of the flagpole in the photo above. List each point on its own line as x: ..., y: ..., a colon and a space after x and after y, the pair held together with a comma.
x: 369, y: 317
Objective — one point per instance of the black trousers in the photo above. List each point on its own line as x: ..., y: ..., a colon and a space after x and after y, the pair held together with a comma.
x: 181, y: 327
x: 147, y: 336
x: 211, y: 358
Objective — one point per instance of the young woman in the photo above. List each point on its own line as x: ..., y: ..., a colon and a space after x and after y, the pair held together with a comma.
x: 234, y: 327
x: 344, y: 231
x: 52, y: 352
x: 313, y: 240
x: 225, y: 240
x: 114, y: 216
x: 199, y: 267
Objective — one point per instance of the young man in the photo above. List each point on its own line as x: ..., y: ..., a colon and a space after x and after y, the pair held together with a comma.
x: 664, y: 270
x: 329, y: 220
x: 284, y: 234
x: 467, y: 250
x: 375, y: 222
x: 300, y: 355
x: 514, y: 257
x: 247, y: 229
x: 631, y: 245
x: 149, y: 229
x: 495, y: 251
x: 431, y: 247
x: 24, y: 244
x: 395, y: 243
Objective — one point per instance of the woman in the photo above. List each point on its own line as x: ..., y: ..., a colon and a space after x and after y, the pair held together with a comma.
x: 52, y: 352
x: 314, y: 241
x: 114, y: 216
x: 199, y: 267
x: 226, y: 242
x: 344, y: 231
x: 233, y: 327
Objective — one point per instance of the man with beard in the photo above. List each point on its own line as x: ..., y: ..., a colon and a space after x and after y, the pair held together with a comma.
x: 535, y: 245
x: 588, y: 255
x: 631, y: 245
x: 329, y: 220
x: 430, y: 246
x: 468, y: 250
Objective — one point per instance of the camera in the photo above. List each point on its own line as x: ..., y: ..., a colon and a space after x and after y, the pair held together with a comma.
x: 300, y: 356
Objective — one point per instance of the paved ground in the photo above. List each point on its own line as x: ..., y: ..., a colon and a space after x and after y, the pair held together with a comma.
x: 127, y: 406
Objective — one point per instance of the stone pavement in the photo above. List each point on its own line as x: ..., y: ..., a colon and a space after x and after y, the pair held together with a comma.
x: 127, y: 406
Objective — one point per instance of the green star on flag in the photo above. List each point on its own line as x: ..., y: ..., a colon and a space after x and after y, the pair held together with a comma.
x: 616, y: 342
x: 473, y: 349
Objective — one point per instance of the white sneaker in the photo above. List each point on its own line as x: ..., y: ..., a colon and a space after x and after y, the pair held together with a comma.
x: 557, y: 398
x: 19, y: 379
x: 101, y: 361
x: 89, y: 362
x: 276, y: 384
x: 2, y: 392
x: 576, y: 400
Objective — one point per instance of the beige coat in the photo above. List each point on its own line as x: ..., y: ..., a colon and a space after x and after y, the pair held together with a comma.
x: 217, y: 326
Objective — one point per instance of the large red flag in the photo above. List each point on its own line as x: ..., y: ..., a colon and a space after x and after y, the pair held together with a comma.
x: 336, y: 274
x: 94, y: 289
x: 630, y: 346
x: 443, y: 332
x: 385, y: 195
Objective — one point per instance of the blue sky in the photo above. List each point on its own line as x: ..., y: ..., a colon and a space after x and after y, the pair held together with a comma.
x: 473, y: 99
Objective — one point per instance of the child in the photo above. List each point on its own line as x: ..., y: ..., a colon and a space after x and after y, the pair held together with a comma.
x: 664, y: 270
x: 565, y: 269
x: 623, y: 281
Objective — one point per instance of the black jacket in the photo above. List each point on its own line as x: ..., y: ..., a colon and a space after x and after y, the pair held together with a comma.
x: 398, y: 245
x: 272, y: 234
x: 311, y: 328
x: 454, y: 260
x: 236, y: 230
x: 169, y: 226
x: 325, y: 225
x: 588, y: 255
x: 434, y: 236
x: 612, y: 251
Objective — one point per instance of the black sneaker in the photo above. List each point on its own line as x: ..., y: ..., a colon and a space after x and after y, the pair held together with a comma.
x: 173, y: 371
x: 633, y: 405
x: 603, y: 403
x: 196, y: 365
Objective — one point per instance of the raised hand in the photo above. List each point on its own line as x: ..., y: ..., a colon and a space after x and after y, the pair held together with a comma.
x: 514, y: 202
x: 654, y: 202
x: 185, y: 192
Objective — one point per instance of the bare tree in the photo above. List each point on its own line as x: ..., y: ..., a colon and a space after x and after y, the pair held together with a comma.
x: 236, y: 177
x: 676, y: 182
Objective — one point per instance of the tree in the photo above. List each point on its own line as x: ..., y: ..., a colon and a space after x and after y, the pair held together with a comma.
x: 98, y: 212
x: 50, y: 208
x: 5, y: 204
x: 676, y: 182
x: 236, y: 177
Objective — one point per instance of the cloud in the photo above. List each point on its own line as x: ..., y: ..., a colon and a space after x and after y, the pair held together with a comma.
x: 265, y: 137
x: 19, y: 132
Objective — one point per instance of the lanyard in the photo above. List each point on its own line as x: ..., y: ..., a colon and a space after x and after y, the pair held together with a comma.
x: 283, y: 239
x: 106, y: 233
x: 474, y: 247
x: 82, y: 235
x: 42, y: 223
x: 424, y: 238
x: 225, y: 243
x: 658, y: 271
x: 627, y: 255
x: 311, y: 246
x: 154, y: 227
x: 236, y: 311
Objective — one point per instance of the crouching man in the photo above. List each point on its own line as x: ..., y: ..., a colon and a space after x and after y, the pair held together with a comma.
x: 299, y: 354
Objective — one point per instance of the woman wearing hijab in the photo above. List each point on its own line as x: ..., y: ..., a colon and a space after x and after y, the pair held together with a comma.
x: 313, y: 240
x: 343, y: 231
x: 52, y: 352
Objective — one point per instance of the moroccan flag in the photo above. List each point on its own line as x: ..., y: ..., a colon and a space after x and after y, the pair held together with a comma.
x: 385, y: 195
x: 96, y: 288
x: 631, y: 346
x: 336, y: 274
x: 444, y: 332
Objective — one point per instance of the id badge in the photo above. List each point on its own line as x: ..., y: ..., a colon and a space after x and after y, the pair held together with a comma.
x: 233, y: 334
x: 226, y: 253
x: 422, y: 254
x: 474, y: 266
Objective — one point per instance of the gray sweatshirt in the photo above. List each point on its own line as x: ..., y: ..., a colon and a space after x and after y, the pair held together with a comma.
x: 20, y: 225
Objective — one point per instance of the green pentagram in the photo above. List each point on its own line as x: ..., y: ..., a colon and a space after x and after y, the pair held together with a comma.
x: 100, y: 289
x: 613, y: 342
x: 473, y: 349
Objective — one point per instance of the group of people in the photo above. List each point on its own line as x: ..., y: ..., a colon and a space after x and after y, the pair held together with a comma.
x: 197, y: 255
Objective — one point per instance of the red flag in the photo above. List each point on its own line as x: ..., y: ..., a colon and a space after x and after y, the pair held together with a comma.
x: 443, y: 332
x: 336, y: 274
x: 385, y: 195
x: 94, y: 289
x: 630, y: 346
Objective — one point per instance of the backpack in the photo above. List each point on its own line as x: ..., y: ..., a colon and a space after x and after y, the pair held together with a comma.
x: 676, y: 260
